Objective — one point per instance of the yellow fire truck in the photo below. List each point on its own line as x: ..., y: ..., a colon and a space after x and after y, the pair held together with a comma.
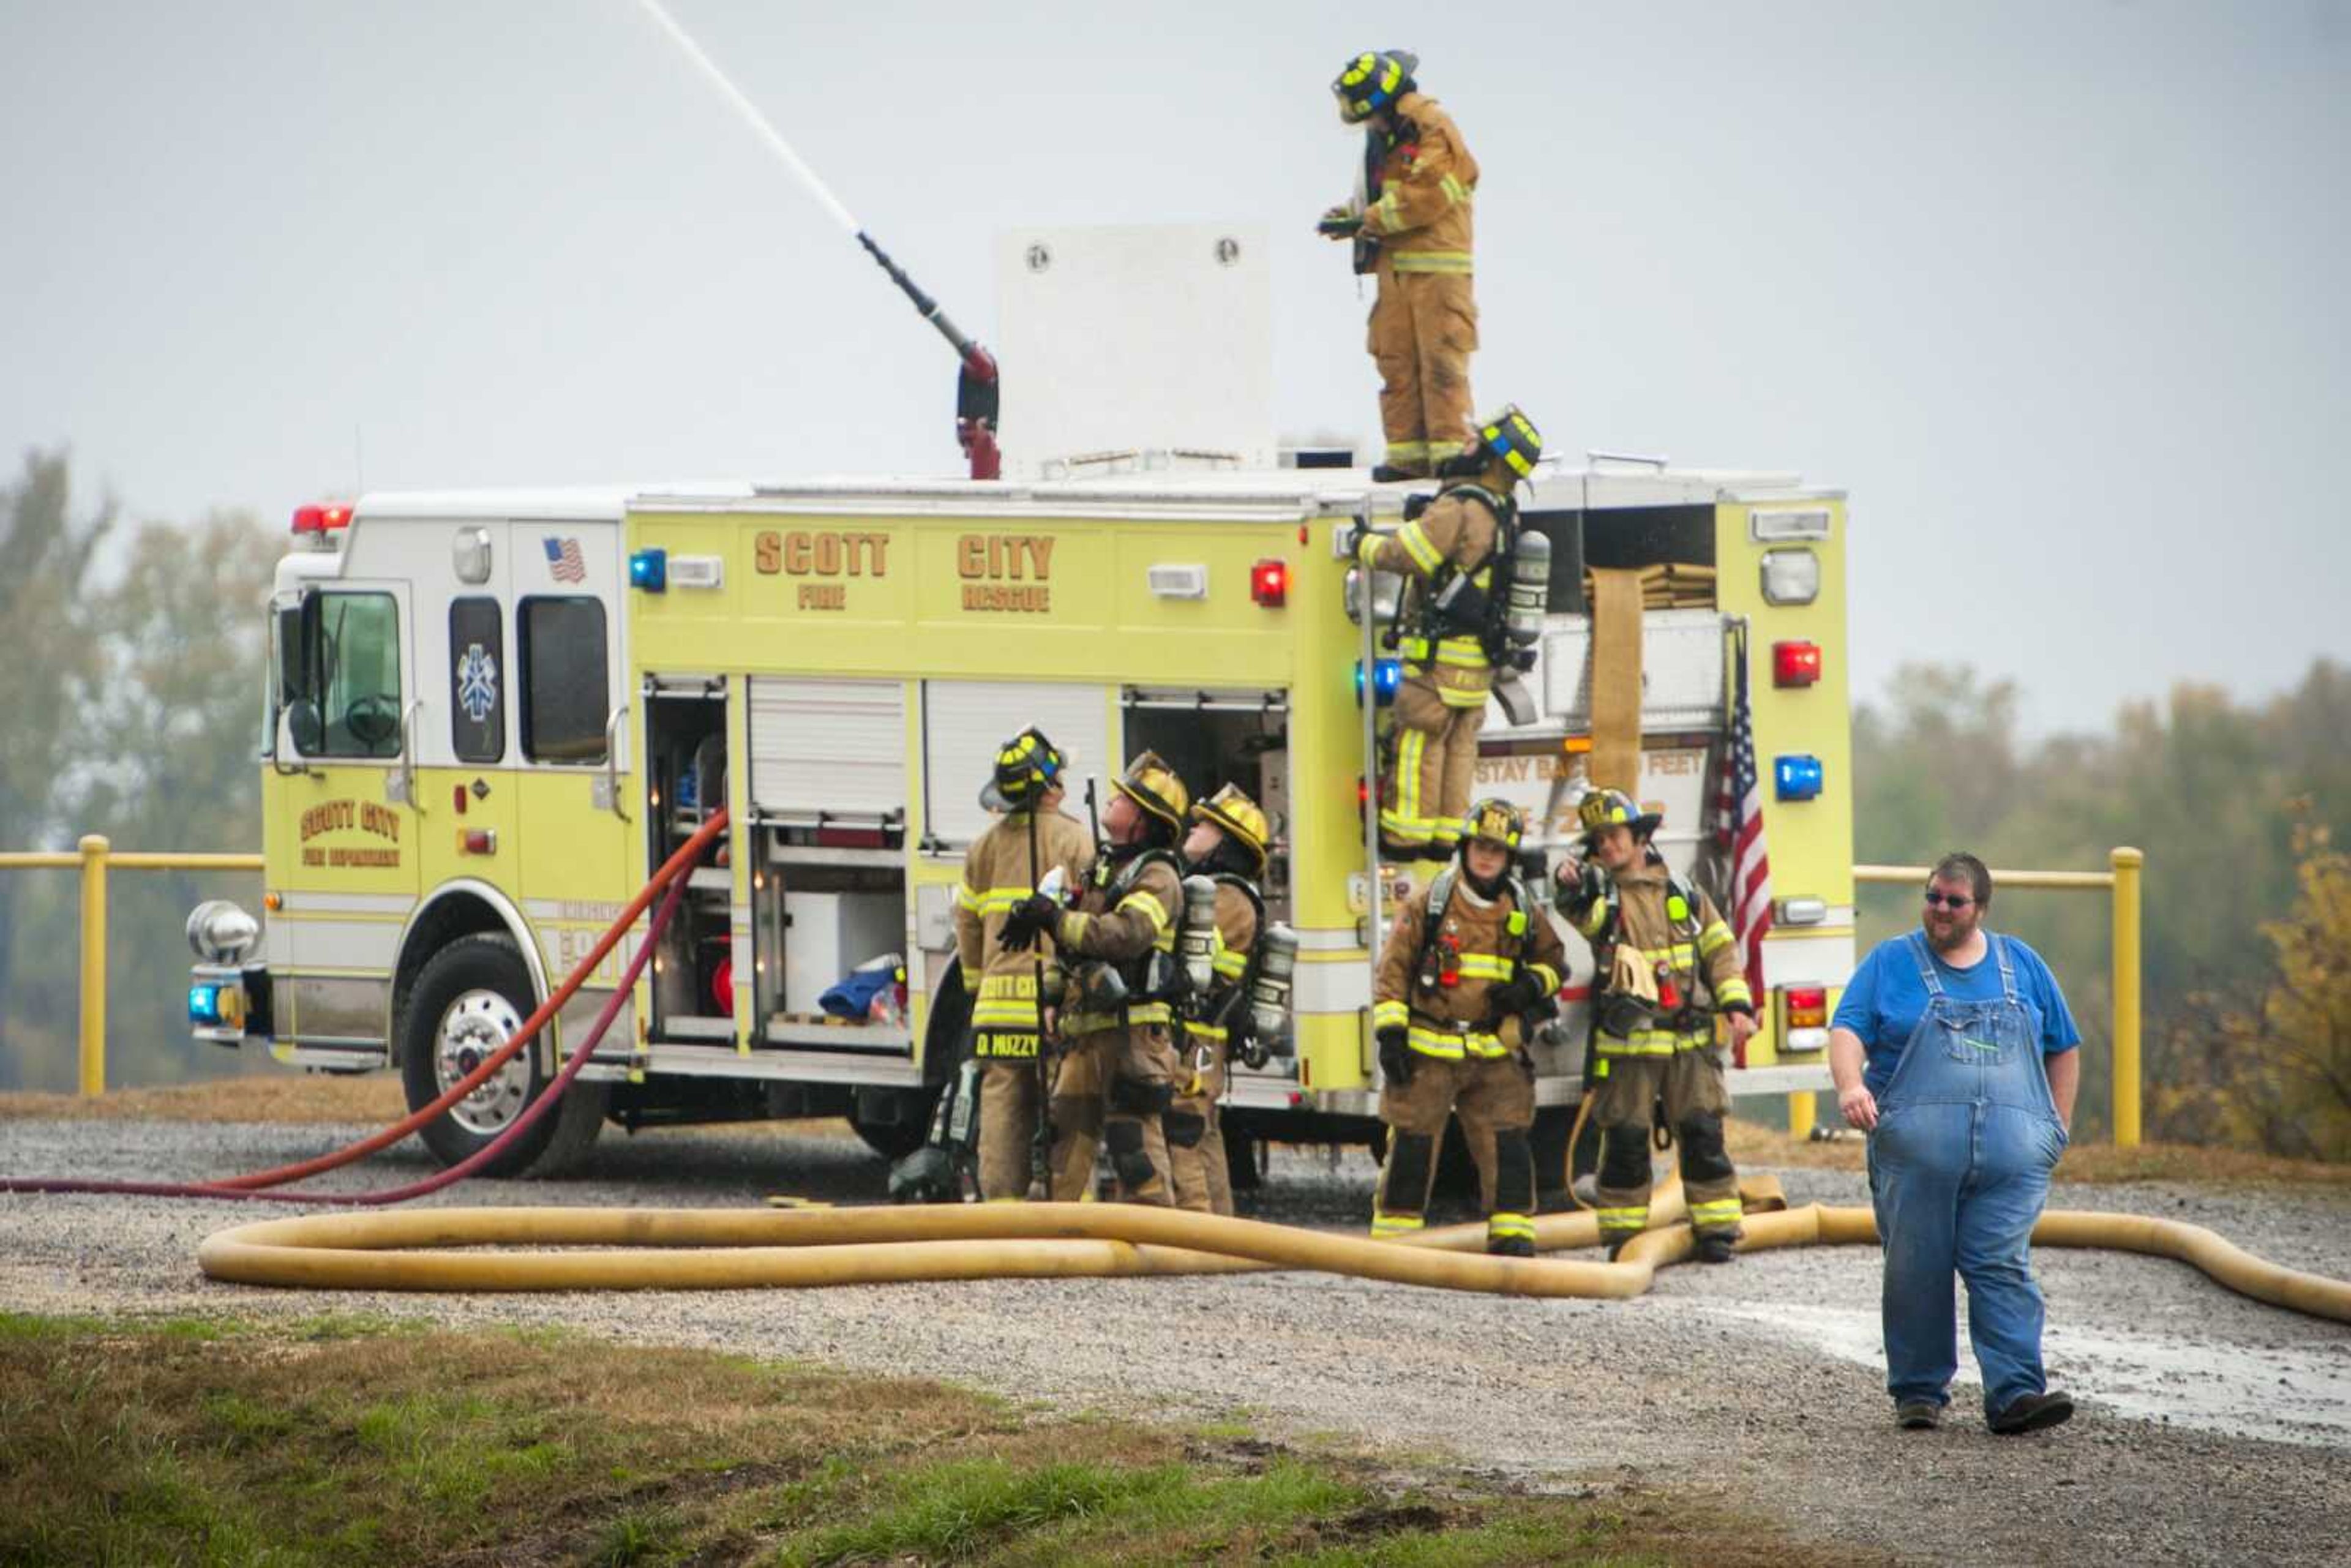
x: 493, y: 714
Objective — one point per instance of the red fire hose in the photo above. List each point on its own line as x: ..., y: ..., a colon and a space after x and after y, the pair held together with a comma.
x: 253, y: 1184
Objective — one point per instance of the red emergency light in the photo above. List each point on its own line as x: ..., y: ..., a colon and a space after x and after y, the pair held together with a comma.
x: 1795, y: 663
x: 1808, y: 1006
x: 477, y: 840
x: 320, y: 520
x: 1269, y: 583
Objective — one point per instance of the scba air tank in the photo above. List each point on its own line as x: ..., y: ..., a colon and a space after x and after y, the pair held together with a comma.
x: 1268, y: 999
x: 1195, y: 934
x: 1529, y: 592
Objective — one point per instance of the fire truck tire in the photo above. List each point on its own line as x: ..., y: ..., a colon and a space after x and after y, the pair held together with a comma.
x: 896, y: 1140
x: 578, y: 1121
x: 468, y: 999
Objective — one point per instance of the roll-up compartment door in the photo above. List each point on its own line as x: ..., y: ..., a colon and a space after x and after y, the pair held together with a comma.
x: 963, y: 723
x: 1682, y: 664
x: 834, y: 747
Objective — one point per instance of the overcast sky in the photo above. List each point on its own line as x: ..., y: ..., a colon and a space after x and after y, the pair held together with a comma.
x: 2057, y: 291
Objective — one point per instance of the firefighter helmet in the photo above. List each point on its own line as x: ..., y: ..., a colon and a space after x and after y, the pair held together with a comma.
x: 1512, y: 438
x: 1027, y: 766
x: 1153, y: 785
x: 1372, y: 81
x: 1239, y: 817
x: 1612, y: 807
x: 1495, y: 820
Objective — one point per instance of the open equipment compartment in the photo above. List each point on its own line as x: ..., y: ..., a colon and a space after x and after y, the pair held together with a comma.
x: 686, y: 781
x: 828, y: 836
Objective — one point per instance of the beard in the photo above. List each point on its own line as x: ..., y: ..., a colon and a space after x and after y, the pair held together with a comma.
x: 1952, y: 935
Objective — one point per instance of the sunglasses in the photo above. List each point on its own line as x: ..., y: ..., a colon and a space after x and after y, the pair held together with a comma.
x: 1948, y: 900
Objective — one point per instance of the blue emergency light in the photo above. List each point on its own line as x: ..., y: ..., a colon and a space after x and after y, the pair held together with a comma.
x: 649, y: 570
x: 1796, y: 778
x: 204, y: 1006
x: 1387, y: 675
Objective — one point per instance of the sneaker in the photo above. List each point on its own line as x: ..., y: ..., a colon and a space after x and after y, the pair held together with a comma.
x: 1918, y: 1415
x: 2031, y: 1413
x: 1714, y: 1247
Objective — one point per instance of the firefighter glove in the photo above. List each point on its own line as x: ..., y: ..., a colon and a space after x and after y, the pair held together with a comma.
x: 1339, y: 222
x: 1516, y: 995
x: 1031, y: 918
x: 1395, y: 1056
x: 1579, y: 886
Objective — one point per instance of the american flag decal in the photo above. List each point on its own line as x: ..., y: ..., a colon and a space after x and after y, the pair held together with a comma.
x: 564, y: 560
x: 1739, y: 831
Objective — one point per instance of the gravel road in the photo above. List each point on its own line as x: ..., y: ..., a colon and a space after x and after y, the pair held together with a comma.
x: 2214, y: 1429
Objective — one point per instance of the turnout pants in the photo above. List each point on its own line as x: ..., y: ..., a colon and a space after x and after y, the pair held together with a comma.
x: 1495, y: 1098
x: 1111, y: 1089
x: 1690, y: 1082
x: 1424, y: 328
x: 1196, y: 1145
x: 1436, y: 764
x: 1008, y: 1126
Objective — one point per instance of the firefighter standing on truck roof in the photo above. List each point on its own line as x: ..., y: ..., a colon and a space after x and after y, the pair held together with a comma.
x: 1409, y: 219
x: 1002, y: 869
x: 1227, y: 844
x: 1451, y: 634
x: 1651, y: 935
x: 1117, y: 1072
x: 1467, y: 968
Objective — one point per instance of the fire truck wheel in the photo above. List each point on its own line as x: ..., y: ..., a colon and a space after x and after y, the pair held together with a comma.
x: 468, y: 999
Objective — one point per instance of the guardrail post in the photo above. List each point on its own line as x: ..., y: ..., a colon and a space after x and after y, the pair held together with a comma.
x: 2127, y: 862
x: 93, y: 965
x: 1800, y: 1115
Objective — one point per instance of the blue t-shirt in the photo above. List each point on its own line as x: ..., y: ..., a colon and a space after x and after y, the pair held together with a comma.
x: 1886, y: 999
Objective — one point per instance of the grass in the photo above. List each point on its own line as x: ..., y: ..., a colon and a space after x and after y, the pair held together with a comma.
x: 189, y: 1441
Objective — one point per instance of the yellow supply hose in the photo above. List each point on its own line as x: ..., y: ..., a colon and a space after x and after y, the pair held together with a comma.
x: 734, y: 1248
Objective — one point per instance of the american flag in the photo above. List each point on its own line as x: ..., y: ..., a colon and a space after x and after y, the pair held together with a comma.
x: 564, y: 560
x: 1738, y: 831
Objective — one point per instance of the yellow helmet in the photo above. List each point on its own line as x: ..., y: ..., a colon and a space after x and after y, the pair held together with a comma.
x: 1153, y: 785
x: 1495, y: 820
x: 1239, y: 816
x: 1612, y: 807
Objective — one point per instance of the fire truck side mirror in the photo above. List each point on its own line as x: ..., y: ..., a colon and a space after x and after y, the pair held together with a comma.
x: 308, y: 730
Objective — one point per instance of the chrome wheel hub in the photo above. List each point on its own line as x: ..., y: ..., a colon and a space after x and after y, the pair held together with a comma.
x: 471, y: 1030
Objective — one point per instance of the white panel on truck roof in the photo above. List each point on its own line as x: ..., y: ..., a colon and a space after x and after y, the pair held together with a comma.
x: 1140, y: 347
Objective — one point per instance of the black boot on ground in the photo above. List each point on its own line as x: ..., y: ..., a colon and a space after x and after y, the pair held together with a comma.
x: 1512, y: 1246
x: 2031, y: 1413
x: 1715, y: 1247
x: 1395, y: 474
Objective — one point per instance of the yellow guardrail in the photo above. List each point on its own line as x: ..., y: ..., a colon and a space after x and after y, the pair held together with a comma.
x: 96, y: 858
x: 2122, y: 882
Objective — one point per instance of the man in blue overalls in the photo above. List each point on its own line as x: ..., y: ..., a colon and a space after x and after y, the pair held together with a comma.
x: 1953, y: 1049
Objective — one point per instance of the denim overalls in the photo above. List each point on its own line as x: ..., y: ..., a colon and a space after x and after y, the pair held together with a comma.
x: 1959, y: 1169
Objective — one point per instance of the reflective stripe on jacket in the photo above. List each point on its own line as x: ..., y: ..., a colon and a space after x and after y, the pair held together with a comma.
x: 1454, y: 1020
x: 1428, y: 182
x: 997, y: 875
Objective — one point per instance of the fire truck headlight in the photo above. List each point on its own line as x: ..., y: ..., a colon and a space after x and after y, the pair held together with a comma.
x: 221, y: 932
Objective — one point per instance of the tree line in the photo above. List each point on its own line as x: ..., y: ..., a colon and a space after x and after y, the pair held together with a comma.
x: 135, y: 711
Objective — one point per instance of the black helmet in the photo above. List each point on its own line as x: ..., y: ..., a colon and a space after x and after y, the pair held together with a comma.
x: 1372, y: 81
x: 1026, y: 767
